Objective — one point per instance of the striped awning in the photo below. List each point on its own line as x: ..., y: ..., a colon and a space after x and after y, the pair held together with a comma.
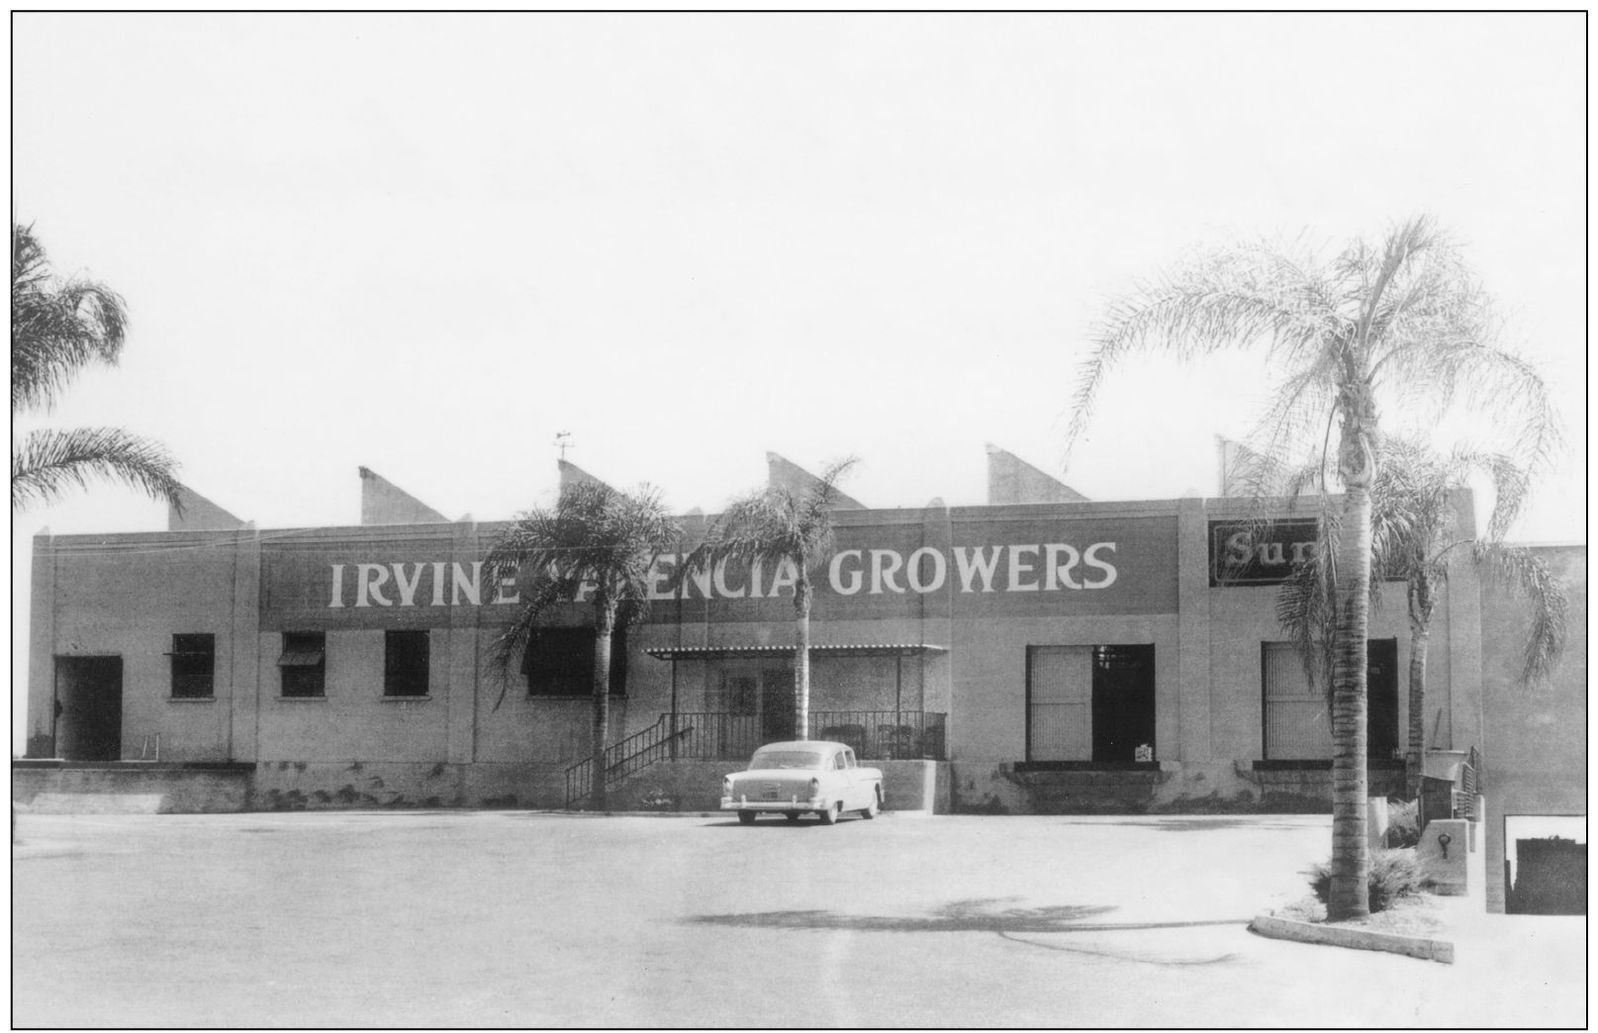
x: 851, y: 649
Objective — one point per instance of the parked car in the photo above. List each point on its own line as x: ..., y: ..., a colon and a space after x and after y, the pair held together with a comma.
x: 794, y: 778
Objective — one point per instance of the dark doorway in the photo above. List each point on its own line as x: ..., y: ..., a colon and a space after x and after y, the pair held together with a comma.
x: 776, y: 704
x: 1123, y: 702
x: 1381, y: 699
x: 88, y: 701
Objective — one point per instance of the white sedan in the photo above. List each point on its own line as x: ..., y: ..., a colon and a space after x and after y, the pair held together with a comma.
x: 794, y: 778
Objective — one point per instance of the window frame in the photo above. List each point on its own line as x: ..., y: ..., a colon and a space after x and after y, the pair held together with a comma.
x: 404, y: 674
x: 573, y: 673
x: 181, y: 657
x: 314, y: 676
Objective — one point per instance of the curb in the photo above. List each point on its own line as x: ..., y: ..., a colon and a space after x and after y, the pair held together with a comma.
x: 1358, y: 939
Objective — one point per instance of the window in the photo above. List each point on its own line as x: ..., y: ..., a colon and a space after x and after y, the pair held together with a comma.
x: 303, y: 664
x: 193, y: 666
x: 405, y: 663
x: 560, y: 662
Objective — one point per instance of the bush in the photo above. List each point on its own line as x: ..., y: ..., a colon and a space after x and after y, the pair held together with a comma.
x: 1395, y: 874
x: 1403, y: 823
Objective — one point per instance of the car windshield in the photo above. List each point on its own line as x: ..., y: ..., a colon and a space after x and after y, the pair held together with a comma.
x: 786, y: 759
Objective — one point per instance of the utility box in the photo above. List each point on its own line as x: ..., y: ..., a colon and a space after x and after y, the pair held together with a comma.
x: 1451, y: 857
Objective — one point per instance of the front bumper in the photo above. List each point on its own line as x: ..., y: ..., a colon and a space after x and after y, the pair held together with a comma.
x: 791, y: 804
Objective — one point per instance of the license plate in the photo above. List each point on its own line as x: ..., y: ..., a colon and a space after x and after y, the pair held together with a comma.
x: 770, y: 793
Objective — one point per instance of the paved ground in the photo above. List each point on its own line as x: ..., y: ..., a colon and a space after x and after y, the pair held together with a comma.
x: 488, y: 919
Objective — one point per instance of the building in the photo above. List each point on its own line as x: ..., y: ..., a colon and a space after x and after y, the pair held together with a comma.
x: 1042, y: 652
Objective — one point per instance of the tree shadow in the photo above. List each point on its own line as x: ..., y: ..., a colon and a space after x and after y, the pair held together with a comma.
x: 980, y: 915
x: 1196, y: 824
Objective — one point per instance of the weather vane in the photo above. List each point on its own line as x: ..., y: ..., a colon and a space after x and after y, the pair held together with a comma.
x: 562, y: 443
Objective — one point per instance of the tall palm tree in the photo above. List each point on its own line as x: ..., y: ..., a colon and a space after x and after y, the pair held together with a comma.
x: 1414, y: 535
x: 778, y: 526
x: 1404, y: 320
x: 58, y: 328
x: 597, y: 546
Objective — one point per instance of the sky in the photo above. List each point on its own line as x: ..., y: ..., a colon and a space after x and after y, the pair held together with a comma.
x: 428, y: 244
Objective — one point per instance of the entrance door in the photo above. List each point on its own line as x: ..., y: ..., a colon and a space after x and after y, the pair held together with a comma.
x: 1123, y: 703
x: 1381, y: 699
x: 1059, y: 691
x: 1298, y: 720
x: 88, y: 697
x: 776, y: 704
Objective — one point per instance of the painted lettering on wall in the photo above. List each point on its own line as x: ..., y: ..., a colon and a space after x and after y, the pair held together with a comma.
x: 400, y: 584
x: 1249, y: 553
x: 1045, y: 567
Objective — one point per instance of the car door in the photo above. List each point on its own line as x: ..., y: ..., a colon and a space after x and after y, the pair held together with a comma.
x: 848, y: 777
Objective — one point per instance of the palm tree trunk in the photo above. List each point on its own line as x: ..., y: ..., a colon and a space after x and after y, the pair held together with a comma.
x: 604, y: 624
x: 1350, y: 892
x: 801, y: 657
x: 1420, y: 614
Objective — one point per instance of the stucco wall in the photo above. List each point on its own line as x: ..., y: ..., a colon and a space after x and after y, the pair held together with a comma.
x: 107, y: 596
x: 1535, y: 746
x: 127, y: 594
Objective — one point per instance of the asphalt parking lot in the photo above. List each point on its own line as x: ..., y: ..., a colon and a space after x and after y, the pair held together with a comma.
x: 473, y: 919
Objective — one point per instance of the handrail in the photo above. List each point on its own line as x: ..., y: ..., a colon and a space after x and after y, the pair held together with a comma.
x: 631, y: 754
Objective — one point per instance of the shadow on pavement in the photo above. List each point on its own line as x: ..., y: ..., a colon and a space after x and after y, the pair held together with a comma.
x: 977, y: 916
x: 1196, y: 824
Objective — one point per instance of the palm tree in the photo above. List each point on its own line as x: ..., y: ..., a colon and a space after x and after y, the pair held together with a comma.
x: 1414, y: 534
x: 777, y: 526
x: 57, y: 329
x: 595, y: 540
x: 1405, y: 319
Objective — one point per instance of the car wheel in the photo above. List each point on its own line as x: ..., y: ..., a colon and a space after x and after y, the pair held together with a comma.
x: 830, y: 815
x: 746, y: 817
x: 791, y: 815
x: 874, y: 809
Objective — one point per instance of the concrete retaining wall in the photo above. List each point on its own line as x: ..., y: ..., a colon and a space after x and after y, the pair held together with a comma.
x: 157, y: 789
x: 1173, y: 788
x: 301, y: 785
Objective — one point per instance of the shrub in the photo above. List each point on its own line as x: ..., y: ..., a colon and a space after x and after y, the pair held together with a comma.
x: 1394, y: 874
x: 655, y: 799
x: 1403, y: 824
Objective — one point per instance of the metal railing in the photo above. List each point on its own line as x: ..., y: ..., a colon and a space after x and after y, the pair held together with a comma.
x: 720, y: 735
x: 883, y: 734
x: 874, y: 734
x: 631, y: 754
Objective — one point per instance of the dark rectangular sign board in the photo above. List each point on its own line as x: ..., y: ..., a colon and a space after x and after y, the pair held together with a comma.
x: 1251, y: 552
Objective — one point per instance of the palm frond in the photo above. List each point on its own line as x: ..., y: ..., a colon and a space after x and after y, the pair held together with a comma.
x: 56, y: 329
x: 1233, y: 298
x: 1522, y: 573
x: 1306, y: 609
x: 47, y: 463
x: 593, y: 537
x: 772, y: 525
